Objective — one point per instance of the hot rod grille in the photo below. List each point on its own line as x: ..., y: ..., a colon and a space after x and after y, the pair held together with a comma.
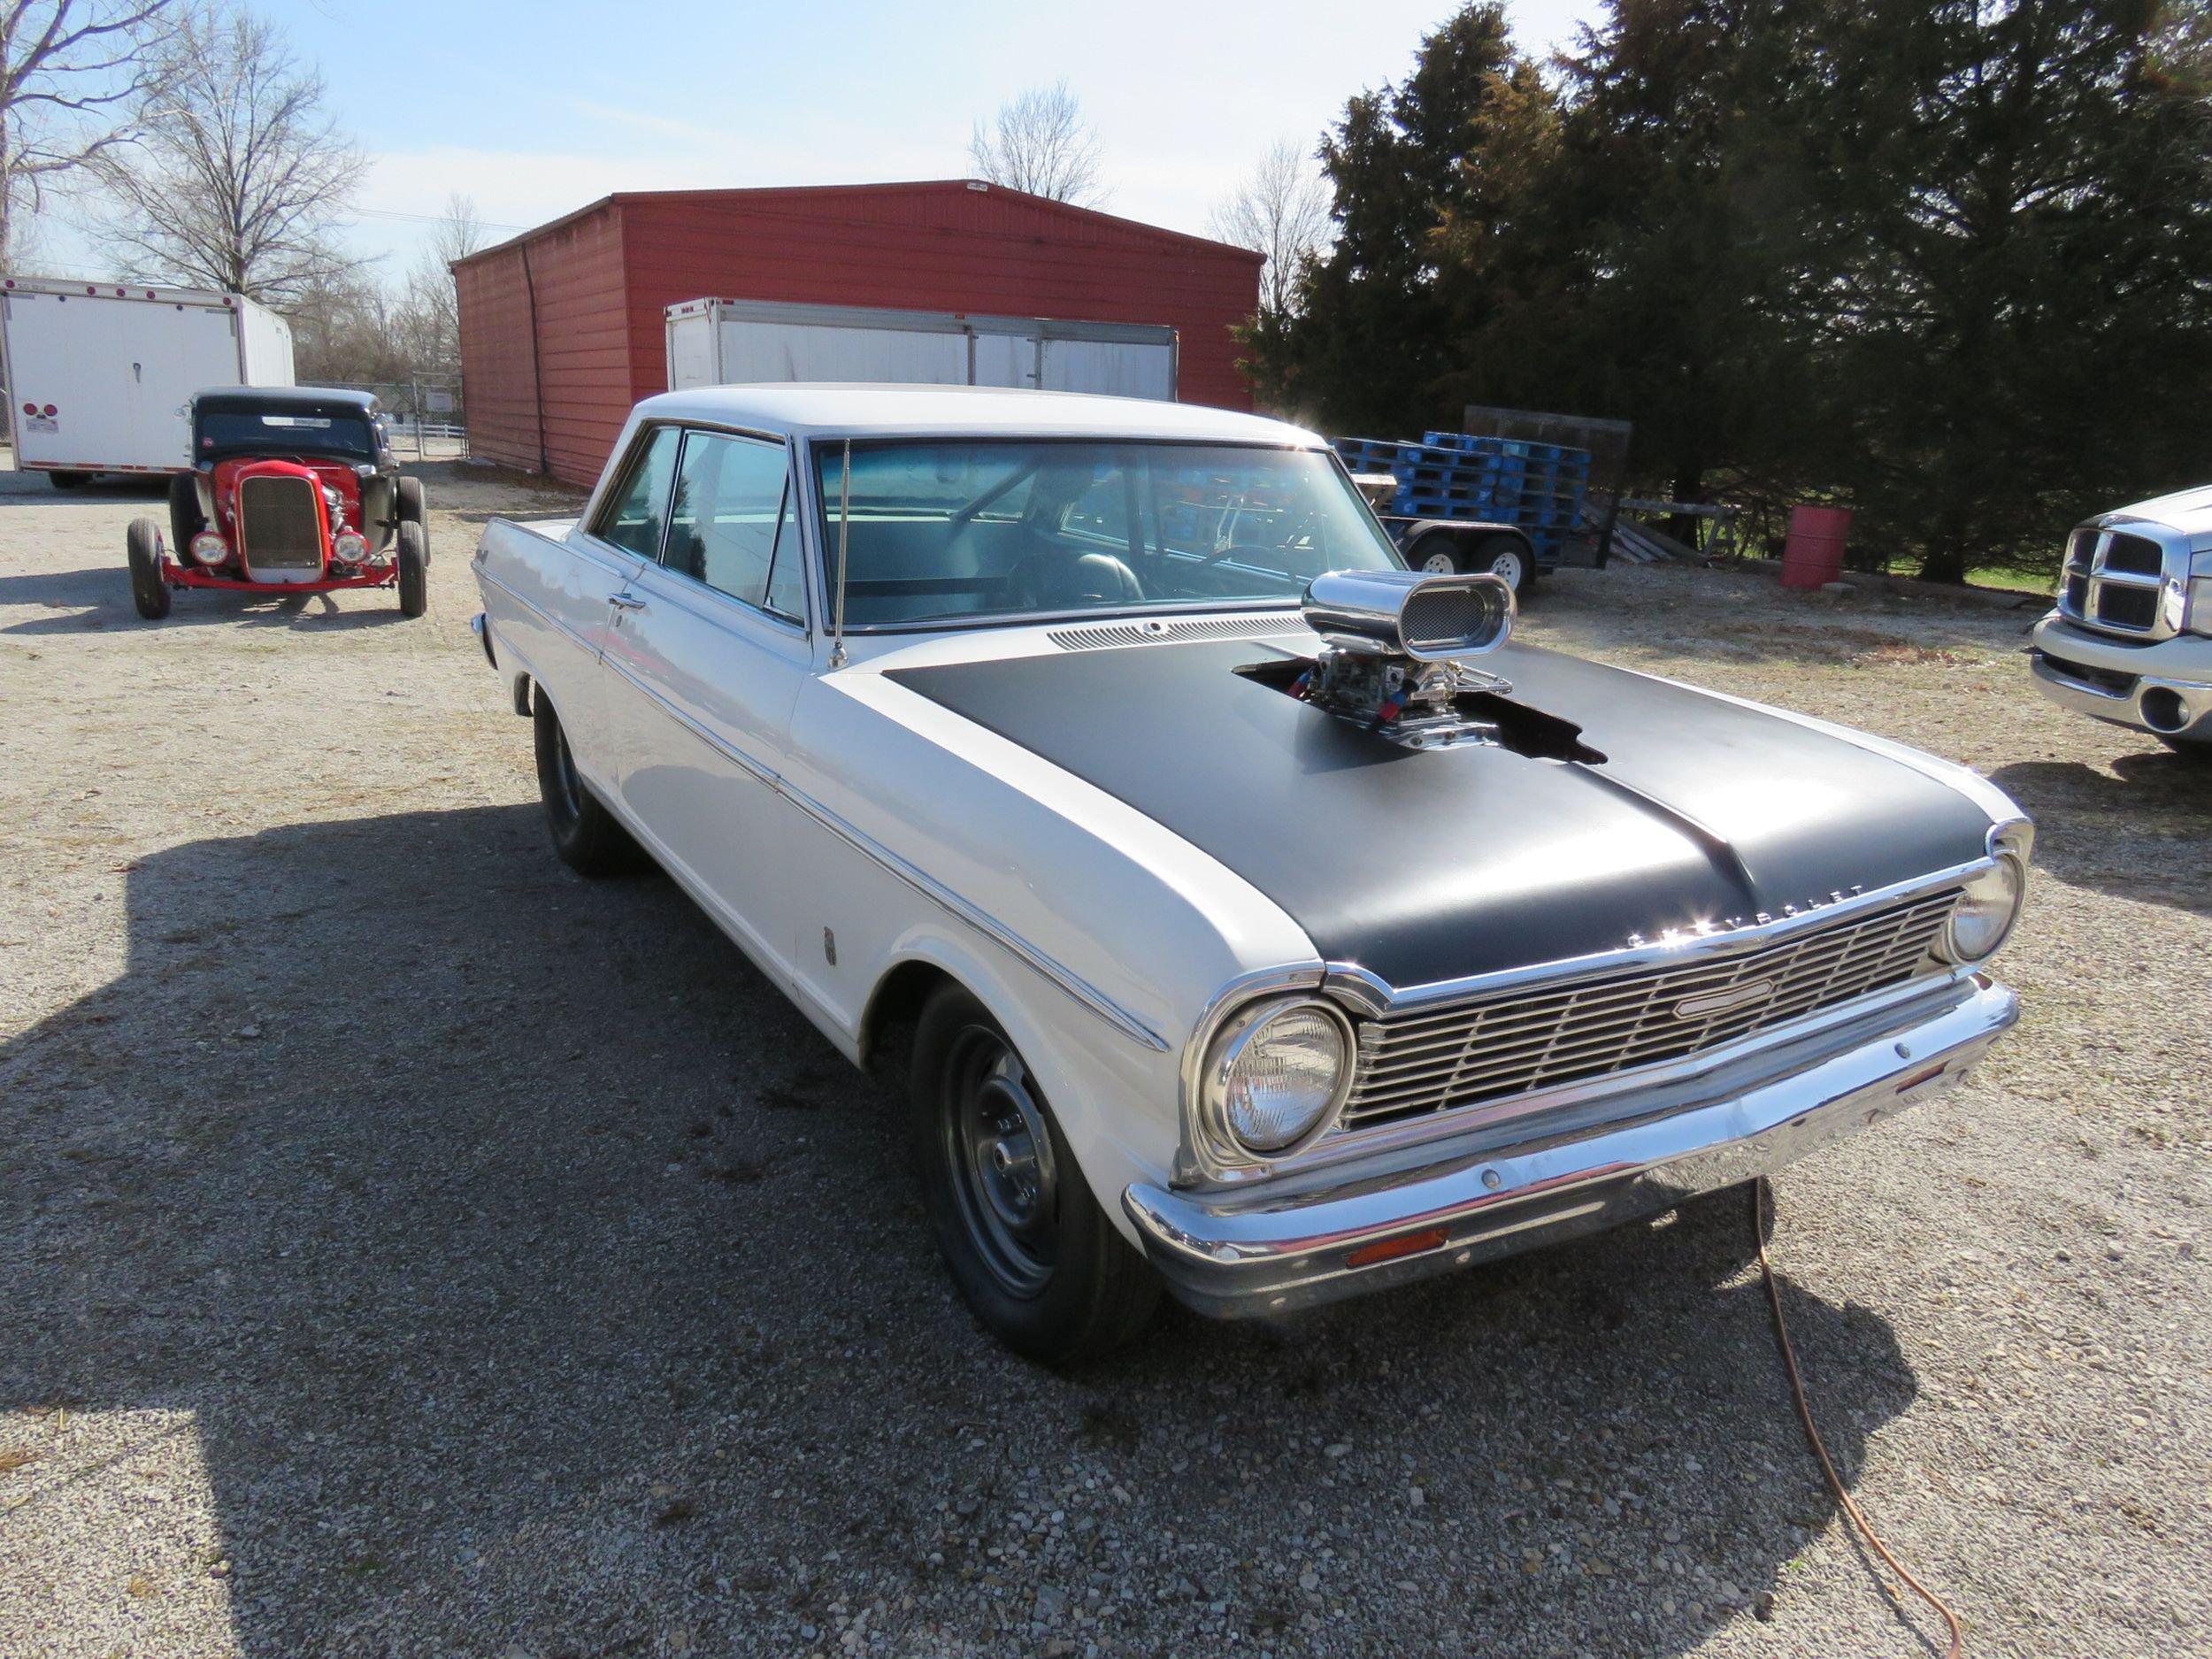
x: 278, y: 524
x: 1517, y: 1041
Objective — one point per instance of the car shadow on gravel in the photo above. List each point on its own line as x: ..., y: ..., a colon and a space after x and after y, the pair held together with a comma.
x: 535, y: 1277
x: 2137, y: 832
x: 88, y: 601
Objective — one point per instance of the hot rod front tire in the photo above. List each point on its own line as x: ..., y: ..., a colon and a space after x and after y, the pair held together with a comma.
x: 585, y: 835
x: 414, y: 572
x: 410, y: 508
x: 1027, y: 1242
x: 149, y: 592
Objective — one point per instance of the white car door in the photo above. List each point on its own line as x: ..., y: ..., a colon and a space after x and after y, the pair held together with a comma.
x: 705, y: 654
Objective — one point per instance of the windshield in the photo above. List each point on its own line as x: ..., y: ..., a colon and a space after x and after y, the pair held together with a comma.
x: 974, y: 528
x: 291, y: 435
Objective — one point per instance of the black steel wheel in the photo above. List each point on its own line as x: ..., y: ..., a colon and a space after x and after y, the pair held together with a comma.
x: 414, y: 572
x: 142, y: 544
x: 1026, y: 1239
x: 586, y: 835
x: 184, y: 514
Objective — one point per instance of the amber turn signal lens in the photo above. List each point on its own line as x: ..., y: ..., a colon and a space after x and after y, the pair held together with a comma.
x: 1390, y: 1250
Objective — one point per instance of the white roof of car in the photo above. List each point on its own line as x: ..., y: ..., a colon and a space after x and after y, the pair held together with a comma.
x: 819, y: 410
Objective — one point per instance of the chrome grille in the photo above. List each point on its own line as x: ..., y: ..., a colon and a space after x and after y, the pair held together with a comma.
x: 2115, y: 581
x: 1524, y: 1037
x: 278, y: 526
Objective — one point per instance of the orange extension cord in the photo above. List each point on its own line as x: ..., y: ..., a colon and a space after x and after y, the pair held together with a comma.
x: 1762, y: 1204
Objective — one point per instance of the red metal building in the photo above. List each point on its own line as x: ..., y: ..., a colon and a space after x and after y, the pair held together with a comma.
x: 562, y: 327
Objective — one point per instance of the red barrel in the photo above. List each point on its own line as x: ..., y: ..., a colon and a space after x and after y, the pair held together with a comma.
x: 1814, y: 553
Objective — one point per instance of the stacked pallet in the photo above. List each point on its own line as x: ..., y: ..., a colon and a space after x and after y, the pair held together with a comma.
x: 1538, y: 487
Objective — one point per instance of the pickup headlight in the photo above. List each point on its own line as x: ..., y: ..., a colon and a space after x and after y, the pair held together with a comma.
x: 1276, y: 1073
x: 1986, y: 910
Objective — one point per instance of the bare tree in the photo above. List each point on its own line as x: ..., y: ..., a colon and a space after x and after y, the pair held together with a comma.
x: 428, y: 316
x: 1282, y: 210
x: 239, y: 180
x: 1041, y: 143
x: 72, y: 75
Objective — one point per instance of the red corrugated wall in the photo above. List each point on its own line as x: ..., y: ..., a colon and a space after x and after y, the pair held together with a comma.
x: 609, y: 273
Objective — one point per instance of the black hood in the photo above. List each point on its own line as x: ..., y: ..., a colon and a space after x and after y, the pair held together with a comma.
x: 1429, y: 864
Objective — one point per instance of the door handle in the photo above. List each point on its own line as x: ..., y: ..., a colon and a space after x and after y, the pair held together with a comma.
x: 625, y: 600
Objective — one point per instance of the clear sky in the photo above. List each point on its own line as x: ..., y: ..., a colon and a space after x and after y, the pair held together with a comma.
x: 533, y: 110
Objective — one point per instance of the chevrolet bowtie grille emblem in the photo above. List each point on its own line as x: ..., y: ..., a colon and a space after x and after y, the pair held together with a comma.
x: 1718, y: 1003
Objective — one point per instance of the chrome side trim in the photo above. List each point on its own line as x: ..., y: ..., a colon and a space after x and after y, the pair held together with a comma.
x: 1055, y: 972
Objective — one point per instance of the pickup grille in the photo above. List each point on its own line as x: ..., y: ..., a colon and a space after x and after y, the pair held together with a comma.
x: 1523, y: 1039
x: 2113, y: 580
x: 279, y: 526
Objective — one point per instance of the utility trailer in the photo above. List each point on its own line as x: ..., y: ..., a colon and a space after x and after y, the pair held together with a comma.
x: 737, y: 342
x: 100, y: 378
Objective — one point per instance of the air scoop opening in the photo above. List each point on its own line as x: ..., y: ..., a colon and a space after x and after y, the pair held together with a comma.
x: 1468, y: 714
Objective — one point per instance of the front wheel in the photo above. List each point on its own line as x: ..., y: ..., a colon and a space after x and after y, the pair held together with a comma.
x: 150, y: 593
x: 414, y: 572
x: 585, y: 833
x: 408, y: 507
x: 1027, y: 1242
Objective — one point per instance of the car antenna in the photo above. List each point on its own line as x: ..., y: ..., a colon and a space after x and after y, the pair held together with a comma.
x: 844, y: 508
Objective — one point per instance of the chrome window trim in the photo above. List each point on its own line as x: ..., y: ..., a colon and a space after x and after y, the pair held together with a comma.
x: 617, y: 480
x: 790, y: 624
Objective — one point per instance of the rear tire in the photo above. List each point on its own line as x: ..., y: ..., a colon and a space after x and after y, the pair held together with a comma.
x: 1507, y: 556
x: 414, y: 572
x: 1033, y: 1254
x: 184, y: 514
x: 410, y: 507
x: 585, y: 833
x: 149, y: 592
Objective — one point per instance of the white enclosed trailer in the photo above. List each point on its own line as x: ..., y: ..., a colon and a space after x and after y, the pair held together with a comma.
x: 99, y: 379
x: 736, y: 342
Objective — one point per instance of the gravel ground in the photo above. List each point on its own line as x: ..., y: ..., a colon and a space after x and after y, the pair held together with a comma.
x: 409, y: 1249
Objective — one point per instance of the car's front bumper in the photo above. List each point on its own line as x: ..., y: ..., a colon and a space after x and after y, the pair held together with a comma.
x: 1244, y: 1252
x: 2164, y: 687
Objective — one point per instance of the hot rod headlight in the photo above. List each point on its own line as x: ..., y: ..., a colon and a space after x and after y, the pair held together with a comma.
x: 350, y: 546
x: 209, y: 548
x: 1276, y: 1073
x: 1986, y: 910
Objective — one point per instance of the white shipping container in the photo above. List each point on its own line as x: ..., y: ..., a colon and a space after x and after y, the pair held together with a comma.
x: 99, y: 379
x: 737, y: 343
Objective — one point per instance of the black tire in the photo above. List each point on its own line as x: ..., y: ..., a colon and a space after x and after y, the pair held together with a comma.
x: 1437, y: 552
x: 184, y: 512
x: 585, y: 833
x: 414, y: 572
x: 1027, y: 1243
x: 149, y: 592
x: 1505, y: 556
x: 2196, y: 749
x: 69, y: 480
x: 408, y: 507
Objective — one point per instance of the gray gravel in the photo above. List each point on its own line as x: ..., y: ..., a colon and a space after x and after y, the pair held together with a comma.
x: 410, y: 1249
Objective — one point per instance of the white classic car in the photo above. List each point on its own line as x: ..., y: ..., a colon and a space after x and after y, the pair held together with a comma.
x: 1250, y: 916
x: 2130, y: 641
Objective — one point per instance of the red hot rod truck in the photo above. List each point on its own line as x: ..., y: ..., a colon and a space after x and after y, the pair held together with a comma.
x: 292, y: 490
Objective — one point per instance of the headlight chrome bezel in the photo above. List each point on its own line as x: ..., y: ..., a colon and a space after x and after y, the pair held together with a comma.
x: 1234, y: 1040
x: 2008, y: 845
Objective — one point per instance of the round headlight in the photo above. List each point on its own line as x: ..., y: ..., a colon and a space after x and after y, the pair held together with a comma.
x: 350, y: 546
x: 1986, y: 911
x: 1278, y: 1070
x: 209, y: 548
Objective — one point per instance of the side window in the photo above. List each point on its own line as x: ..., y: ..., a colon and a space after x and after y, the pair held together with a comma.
x: 722, y: 529
x: 633, y: 519
x: 786, y: 577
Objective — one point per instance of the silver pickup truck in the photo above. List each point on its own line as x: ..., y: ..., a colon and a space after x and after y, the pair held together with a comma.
x: 2129, y: 640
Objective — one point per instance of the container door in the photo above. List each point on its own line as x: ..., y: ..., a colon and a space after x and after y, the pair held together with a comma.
x: 1117, y: 368
x: 44, y: 348
x: 1005, y: 360
x: 691, y: 350
x: 755, y: 351
x: 159, y: 354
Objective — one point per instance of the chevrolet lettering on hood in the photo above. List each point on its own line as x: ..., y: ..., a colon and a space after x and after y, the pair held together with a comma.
x: 1250, y: 917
